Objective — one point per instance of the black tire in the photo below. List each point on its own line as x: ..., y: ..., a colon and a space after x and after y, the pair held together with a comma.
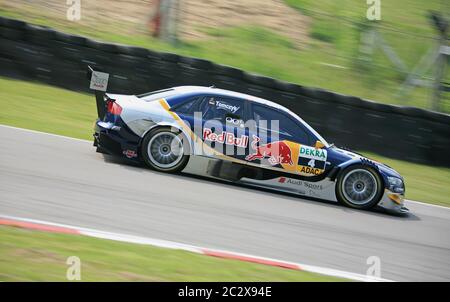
x: 369, y: 187
x: 151, y: 158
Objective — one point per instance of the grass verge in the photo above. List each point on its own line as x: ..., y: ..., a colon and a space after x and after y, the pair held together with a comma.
x: 38, y: 256
x: 54, y: 110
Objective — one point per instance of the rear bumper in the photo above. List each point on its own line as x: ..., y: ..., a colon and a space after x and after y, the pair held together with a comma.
x: 116, y: 139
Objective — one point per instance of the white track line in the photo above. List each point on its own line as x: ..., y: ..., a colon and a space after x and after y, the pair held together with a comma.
x: 46, y: 133
x: 201, y: 250
x: 427, y: 204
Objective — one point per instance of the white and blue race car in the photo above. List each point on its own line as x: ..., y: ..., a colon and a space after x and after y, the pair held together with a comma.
x: 240, y: 138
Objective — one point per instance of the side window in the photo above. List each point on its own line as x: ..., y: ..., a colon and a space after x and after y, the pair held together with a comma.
x: 288, y: 128
x: 219, y: 108
x: 188, y: 107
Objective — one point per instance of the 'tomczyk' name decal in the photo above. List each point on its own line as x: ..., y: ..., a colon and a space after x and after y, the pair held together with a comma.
x: 231, y: 108
x: 225, y: 138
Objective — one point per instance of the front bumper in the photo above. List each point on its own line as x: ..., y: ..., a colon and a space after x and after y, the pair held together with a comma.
x: 116, y: 139
x: 393, y: 202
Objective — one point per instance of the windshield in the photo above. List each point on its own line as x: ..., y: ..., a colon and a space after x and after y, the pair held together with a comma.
x: 314, y: 132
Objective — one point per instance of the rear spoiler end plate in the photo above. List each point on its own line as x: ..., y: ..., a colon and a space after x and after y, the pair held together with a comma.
x: 99, y: 83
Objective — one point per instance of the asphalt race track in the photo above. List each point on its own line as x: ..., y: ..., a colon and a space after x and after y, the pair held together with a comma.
x: 65, y: 181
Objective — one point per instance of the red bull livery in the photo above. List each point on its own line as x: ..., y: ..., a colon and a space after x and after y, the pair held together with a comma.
x: 242, y: 139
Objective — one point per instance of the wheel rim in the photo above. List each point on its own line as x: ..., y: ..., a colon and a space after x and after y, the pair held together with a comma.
x: 359, y: 186
x: 165, y: 150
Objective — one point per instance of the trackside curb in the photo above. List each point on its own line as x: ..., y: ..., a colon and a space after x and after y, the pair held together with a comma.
x: 67, y: 229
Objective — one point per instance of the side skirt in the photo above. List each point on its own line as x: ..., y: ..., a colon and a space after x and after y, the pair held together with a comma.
x: 214, y: 168
x: 323, y: 189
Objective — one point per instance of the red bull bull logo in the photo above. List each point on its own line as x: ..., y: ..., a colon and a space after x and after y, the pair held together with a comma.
x: 276, y: 152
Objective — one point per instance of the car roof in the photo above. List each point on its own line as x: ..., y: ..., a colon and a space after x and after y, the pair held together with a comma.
x: 228, y: 93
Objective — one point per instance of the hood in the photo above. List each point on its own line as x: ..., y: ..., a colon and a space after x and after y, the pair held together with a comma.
x: 342, y: 156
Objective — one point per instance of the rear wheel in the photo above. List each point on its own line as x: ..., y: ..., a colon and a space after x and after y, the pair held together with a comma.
x: 359, y: 187
x: 165, y: 150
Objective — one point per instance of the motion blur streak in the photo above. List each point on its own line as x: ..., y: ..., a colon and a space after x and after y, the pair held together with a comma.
x: 60, y: 180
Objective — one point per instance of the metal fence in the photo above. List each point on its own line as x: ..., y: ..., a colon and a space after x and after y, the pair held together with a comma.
x: 37, y: 53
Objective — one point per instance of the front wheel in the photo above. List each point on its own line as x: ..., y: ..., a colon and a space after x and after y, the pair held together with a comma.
x: 165, y: 150
x: 359, y: 187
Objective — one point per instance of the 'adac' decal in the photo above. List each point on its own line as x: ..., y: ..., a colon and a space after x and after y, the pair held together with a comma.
x: 309, y: 170
x: 277, y: 152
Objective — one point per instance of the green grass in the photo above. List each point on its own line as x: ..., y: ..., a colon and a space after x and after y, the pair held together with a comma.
x: 44, y: 108
x: 405, y: 26
x: 327, y: 60
x: 38, y: 256
x: 48, y: 109
x: 407, y: 15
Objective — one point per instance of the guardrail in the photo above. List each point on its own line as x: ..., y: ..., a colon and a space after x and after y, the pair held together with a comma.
x: 42, y: 54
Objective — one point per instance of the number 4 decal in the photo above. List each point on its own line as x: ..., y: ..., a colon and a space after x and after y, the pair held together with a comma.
x: 312, y: 163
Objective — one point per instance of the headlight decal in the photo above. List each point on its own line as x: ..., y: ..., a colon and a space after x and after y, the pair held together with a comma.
x: 396, y: 184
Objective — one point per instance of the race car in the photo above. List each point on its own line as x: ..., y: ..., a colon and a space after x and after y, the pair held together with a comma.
x: 239, y: 138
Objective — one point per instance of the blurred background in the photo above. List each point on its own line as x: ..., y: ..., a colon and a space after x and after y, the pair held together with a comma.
x: 399, y: 59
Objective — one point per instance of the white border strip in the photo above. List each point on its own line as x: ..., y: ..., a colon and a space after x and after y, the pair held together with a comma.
x: 427, y: 204
x: 198, y: 250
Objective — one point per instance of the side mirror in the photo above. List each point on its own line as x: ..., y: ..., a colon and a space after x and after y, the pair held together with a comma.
x: 319, y: 145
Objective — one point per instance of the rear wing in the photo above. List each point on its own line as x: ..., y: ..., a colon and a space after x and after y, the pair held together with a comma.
x: 99, y: 83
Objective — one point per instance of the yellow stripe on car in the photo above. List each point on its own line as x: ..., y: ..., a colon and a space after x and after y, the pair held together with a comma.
x: 206, y: 149
x: 395, y: 198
